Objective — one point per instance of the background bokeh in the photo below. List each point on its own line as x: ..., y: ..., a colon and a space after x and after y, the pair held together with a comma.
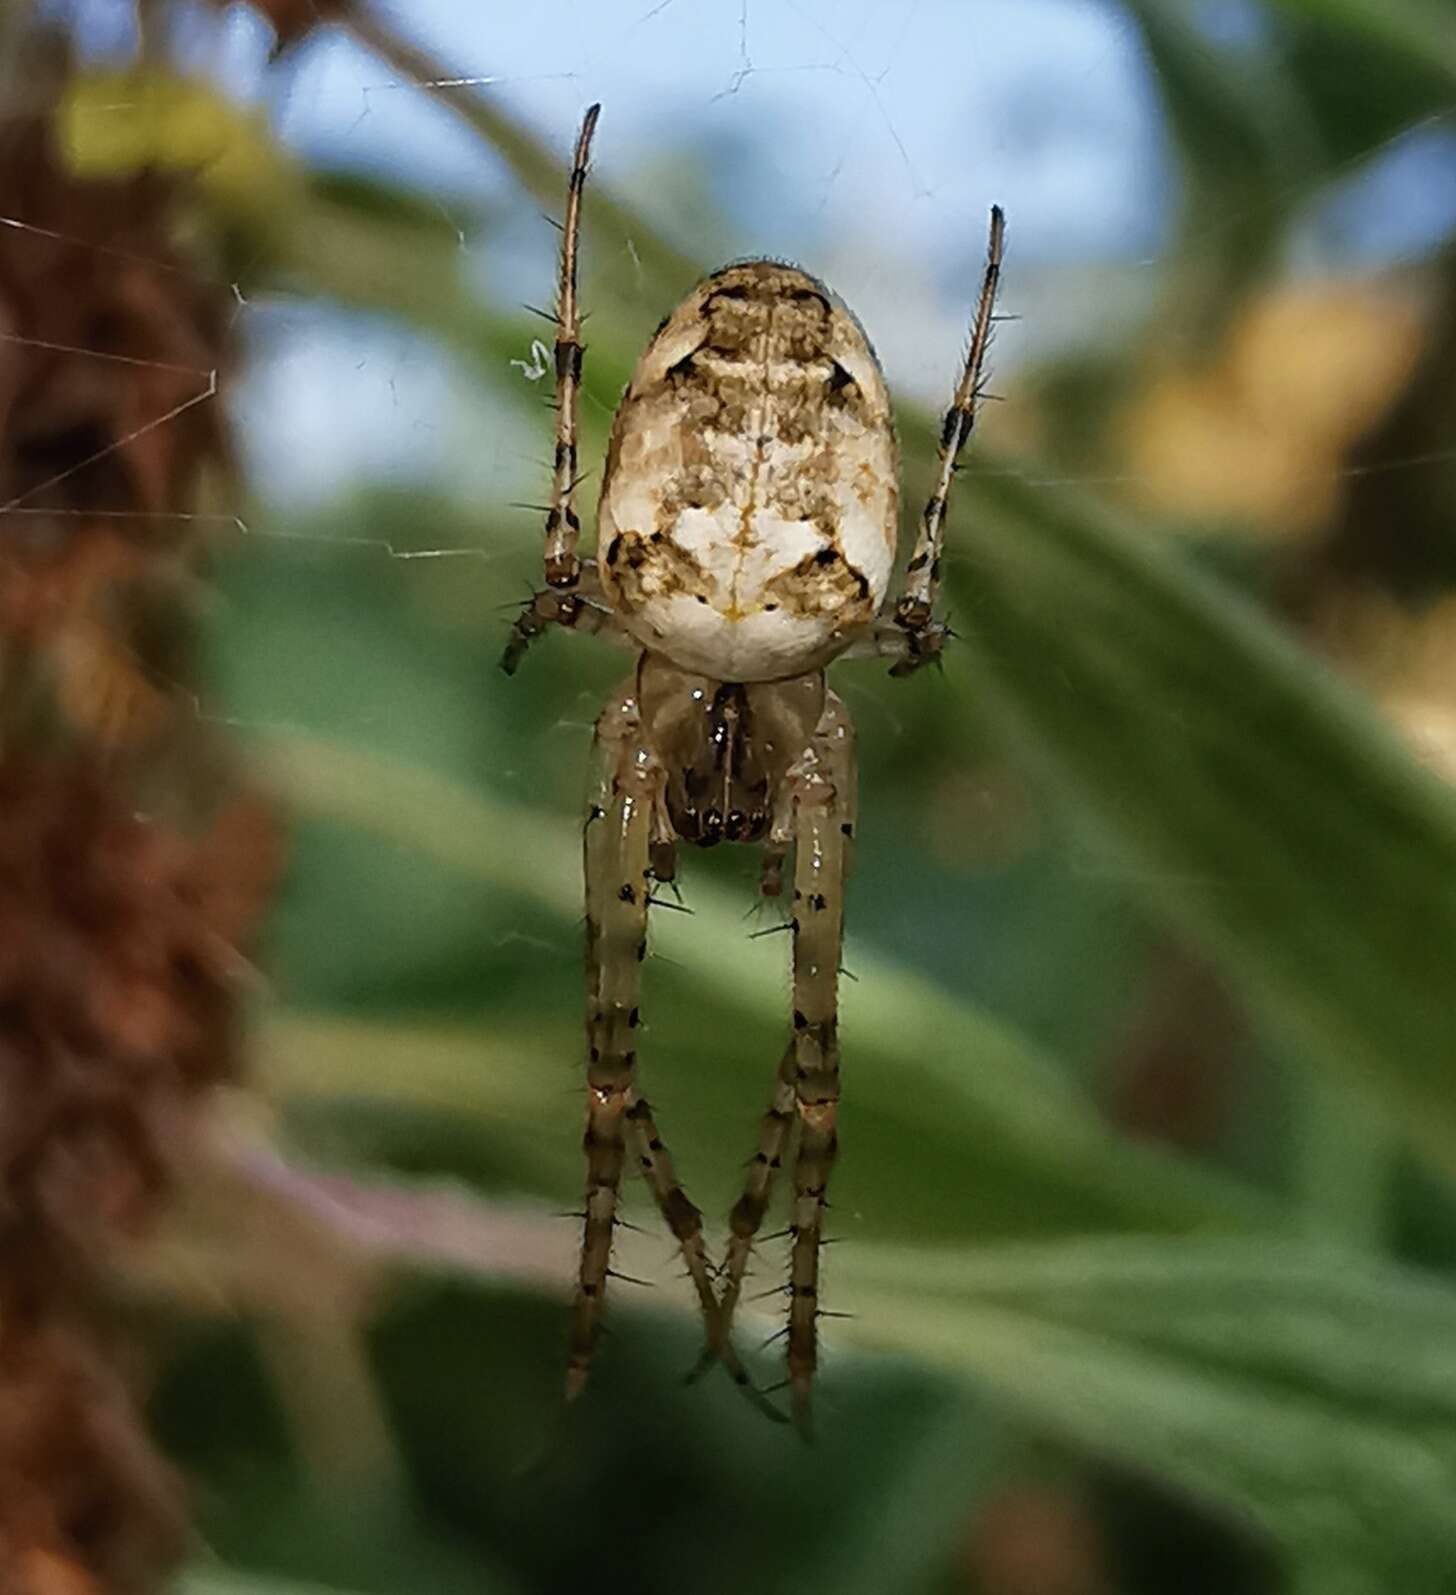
x: 1144, y: 1206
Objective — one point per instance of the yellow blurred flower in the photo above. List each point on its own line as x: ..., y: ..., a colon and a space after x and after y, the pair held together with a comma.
x: 1260, y: 435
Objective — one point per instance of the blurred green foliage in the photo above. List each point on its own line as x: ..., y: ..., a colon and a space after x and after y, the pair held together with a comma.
x: 1124, y: 755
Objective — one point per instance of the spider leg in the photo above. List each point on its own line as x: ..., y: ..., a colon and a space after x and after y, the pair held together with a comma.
x: 686, y: 1223
x: 681, y: 1215
x: 563, y: 568
x: 584, y: 608
x: 572, y: 596
x: 824, y: 826
x: 806, y: 1092
x: 623, y: 832
x: 616, y: 842
x: 748, y: 1211
x: 921, y: 637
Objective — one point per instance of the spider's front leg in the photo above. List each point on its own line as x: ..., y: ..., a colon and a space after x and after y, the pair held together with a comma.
x: 913, y: 636
x: 582, y: 608
x: 562, y: 526
x: 572, y: 596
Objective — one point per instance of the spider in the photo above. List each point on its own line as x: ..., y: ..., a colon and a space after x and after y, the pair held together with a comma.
x: 745, y: 536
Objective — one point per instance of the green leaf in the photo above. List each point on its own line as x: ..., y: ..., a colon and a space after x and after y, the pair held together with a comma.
x: 1232, y: 114
x: 1246, y: 795
x: 1367, y: 70
x: 1248, y: 150
x: 1317, y: 87
x: 1418, y: 36
x: 1312, y: 1393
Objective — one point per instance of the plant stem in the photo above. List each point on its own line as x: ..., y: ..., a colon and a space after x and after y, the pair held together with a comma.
x: 539, y: 169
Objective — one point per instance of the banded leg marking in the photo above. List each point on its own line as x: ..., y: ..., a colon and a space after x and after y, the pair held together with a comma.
x: 806, y: 1092
x: 563, y: 528
x: 616, y: 841
x: 686, y: 1223
x: 922, y: 637
x: 748, y: 1212
x: 819, y: 869
x: 583, y: 609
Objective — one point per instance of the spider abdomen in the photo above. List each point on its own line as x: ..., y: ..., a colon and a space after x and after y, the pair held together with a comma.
x: 748, y: 512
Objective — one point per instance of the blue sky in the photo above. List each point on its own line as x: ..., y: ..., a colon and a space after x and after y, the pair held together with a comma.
x: 863, y: 138
x: 862, y: 114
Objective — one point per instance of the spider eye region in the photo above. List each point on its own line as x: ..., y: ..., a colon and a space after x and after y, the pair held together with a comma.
x: 748, y: 515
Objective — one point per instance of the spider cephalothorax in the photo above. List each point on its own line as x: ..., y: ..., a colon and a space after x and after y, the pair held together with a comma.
x: 727, y: 747
x: 746, y: 534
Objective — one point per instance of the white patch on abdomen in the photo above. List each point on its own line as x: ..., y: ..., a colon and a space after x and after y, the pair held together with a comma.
x: 753, y: 647
x: 747, y: 520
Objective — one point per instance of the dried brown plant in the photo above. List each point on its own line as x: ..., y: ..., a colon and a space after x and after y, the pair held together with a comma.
x: 131, y: 872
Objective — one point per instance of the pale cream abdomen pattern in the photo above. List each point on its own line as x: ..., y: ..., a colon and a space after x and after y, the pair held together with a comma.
x: 748, y: 512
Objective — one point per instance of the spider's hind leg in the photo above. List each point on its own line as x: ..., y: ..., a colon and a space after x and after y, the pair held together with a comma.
x: 615, y: 841
x: 748, y: 1212
x: 823, y: 829
x: 623, y: 832
x: 686, y: 1223
x: 806, y: 1093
